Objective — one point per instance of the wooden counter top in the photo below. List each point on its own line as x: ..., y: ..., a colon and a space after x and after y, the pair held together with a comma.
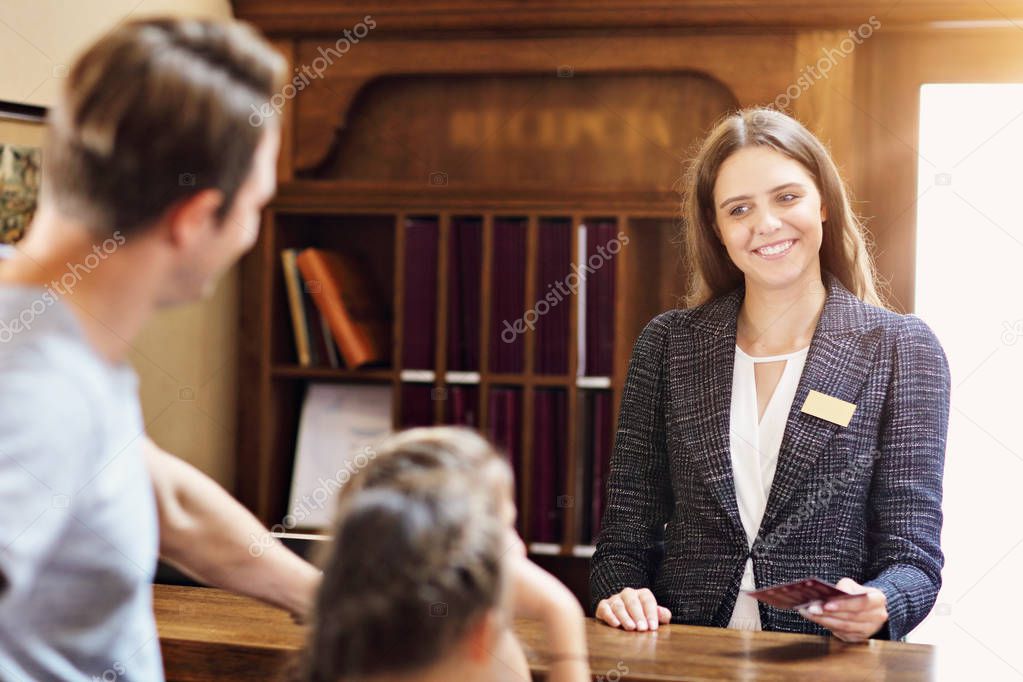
x: 209, y: 634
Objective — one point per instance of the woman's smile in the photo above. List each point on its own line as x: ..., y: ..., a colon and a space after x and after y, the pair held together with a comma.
x: 775, y: 250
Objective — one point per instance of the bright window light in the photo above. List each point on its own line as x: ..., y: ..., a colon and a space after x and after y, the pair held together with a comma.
x: 969, y: 288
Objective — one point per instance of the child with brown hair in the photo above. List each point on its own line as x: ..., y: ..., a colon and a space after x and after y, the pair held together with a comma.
x: 426, y: 572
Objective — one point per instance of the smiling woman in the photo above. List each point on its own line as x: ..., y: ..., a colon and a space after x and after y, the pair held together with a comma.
x: 729, y: 471
x: 779, y: 223
x: 753, y: 166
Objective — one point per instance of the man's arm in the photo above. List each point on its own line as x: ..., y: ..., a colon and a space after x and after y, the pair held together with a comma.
x: 210, y: 536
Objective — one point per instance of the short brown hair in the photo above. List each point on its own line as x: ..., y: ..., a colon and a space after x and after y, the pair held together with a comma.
x: 416, y: 556
x: 154, y: 112
x: 843, y: 249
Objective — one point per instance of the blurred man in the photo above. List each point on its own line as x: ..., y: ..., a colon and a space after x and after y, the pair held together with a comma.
x: 152, y: 188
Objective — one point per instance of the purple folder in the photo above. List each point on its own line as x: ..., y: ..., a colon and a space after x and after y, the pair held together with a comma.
x: 420, y: 311
x: 465, y: 269
x: 508, y: 293
x: 550, y: 501
x: 554, y: 295
x: 601, y: 247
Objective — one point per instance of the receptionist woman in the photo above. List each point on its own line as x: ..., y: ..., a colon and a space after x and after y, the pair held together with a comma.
x: 736, y: 463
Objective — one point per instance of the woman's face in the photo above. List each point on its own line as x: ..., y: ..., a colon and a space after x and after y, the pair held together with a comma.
x: 769, y: 216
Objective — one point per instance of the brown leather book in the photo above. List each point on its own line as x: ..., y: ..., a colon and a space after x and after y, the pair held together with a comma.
x: 356, y: 314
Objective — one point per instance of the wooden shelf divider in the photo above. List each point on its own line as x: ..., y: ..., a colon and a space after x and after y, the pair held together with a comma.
x: 398, y: 329
x: 528, y: 394
x: 439, y: 392
x: 571, y: 514
x: 334, y: 374
x: 486, y: 284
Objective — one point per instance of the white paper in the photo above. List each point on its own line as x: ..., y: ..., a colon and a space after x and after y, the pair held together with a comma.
x: 340, y: 424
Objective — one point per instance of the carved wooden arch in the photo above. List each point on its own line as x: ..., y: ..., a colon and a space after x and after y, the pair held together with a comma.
x: 755, y: 68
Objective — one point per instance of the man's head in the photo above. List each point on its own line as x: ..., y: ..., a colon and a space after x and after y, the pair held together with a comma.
x: 151, y: 137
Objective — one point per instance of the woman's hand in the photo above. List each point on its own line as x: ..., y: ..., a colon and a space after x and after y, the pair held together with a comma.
x: 851, y: 620
x: 632, y: 610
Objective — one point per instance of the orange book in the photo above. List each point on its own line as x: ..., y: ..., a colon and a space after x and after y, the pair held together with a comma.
x: 355, y: 313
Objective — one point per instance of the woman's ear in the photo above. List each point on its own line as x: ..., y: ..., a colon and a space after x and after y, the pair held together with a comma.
x: 824, y: 212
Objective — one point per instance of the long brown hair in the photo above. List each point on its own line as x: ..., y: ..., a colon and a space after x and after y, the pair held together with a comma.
x: 416, y: 556
x: 843, y: 248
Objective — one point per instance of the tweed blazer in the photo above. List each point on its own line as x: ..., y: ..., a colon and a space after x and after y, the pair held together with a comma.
x: 862, y: 501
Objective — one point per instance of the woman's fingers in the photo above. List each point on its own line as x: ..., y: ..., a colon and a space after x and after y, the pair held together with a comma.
x: 646, y: 598
x: 622, y: 613
x: 633, y: 609
x: 635, y: 606
x: 850, y: 607
x: 605, y: 614
x: 851, y: 586
x: 825, y: 619
x: 849, y: 626
x: 847, y: 631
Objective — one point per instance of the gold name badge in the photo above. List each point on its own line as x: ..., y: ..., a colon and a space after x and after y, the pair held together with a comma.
x: 828, y: 408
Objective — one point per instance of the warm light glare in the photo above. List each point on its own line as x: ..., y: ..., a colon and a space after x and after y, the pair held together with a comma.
x: 968, y: 288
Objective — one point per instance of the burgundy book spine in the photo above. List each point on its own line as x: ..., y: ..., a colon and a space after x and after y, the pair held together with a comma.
x: 505, y: 429
x: 550, y: 440
x: 465, y: 271
x: 508, y: 293
x: 554, y: 289
x: 544, y: 478
x: 416, y: 405
x: 600, y: 293
x: 461, y: 406
x: 421, y: 239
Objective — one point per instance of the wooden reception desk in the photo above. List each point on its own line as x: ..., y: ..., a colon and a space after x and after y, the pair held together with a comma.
x: 209, y: 634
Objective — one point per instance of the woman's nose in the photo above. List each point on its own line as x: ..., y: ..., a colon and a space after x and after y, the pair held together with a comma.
x: 768, y: 223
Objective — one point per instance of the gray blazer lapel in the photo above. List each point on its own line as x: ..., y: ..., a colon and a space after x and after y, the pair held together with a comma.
x: 837, y: 364
x: 704, y: 362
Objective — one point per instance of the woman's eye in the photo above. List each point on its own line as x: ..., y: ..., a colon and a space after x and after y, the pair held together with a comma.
x: 788, y: 197
x: 738, y: 211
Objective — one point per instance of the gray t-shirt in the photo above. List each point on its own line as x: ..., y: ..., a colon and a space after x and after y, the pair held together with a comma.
x: 78, y: 523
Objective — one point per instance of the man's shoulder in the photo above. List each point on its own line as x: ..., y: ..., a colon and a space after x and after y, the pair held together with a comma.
x: 46, y: 396
x: 50, y: 388
x: 52, y: 368
x: 40, y: 343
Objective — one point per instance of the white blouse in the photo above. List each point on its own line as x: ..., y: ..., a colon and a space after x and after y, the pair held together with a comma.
x: 754, y: 445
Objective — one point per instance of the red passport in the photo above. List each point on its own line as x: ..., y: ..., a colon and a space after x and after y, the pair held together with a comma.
x: 797, y: 594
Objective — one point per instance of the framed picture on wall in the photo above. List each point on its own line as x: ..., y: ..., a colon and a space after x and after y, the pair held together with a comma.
x: 21, y: 129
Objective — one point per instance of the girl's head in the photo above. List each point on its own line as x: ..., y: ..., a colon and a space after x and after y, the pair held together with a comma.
x: 761, y: 179
x: 416, y: 570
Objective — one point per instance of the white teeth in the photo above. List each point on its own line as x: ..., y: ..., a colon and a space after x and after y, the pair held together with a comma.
x: 775, y: 249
